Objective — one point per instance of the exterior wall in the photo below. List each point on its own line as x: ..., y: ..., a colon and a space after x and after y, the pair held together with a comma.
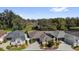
x: 78, y: 43
x: 12, y: 43
x: 18, y: 42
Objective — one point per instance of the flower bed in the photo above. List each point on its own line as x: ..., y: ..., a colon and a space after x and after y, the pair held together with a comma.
x: 16, y: 48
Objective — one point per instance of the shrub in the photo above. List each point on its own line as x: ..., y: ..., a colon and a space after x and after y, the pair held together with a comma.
x: 32, y: 41
x: 23, y: 46
x: 26, y: 42
x: 8, y: 47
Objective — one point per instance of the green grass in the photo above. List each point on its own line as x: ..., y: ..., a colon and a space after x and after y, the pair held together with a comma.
x: 1, y: 49
x: 74, y: 28
x: 8, y: 30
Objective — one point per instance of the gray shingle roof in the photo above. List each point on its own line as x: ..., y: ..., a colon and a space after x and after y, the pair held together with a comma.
x: 57, y: 34
x: 35, y: 34
x: 45, y: 37
x: 75, y: 33
x: 16, y: 34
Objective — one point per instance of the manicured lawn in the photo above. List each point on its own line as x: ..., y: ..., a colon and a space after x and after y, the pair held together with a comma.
x: 1, y: 49
x: 74, y: 28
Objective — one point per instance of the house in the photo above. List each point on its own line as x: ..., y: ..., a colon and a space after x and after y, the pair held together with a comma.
x: 45, y: 37
x: 35, y: 34
x: 69, y: 37
x: 17, y: 38
x: 57, y: 35
x: 40, y: 36
x: 72, y: 38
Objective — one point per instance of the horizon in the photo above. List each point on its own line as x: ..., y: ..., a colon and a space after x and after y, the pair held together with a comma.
x: 43, y: 12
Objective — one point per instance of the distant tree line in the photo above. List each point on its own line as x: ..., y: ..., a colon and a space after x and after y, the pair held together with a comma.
x: 57, y: 23
x: 10, y: 20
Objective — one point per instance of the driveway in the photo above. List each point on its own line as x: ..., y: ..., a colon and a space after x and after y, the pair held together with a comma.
x: 4, y: 45
x: 34, y: 46
x: 64, y: 47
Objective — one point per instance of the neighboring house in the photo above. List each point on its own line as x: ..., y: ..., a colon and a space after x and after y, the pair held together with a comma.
x: 35, y: 34
x: 44, y: 38
x: 69, y: 37
x: 17, y: 37
x: 72, y: 38
x: 57, y: 35
x: 40, y: 36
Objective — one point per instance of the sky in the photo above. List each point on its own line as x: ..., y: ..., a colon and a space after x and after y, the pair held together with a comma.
x: 44, y: 12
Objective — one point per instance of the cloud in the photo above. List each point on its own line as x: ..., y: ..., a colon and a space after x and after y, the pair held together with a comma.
x: 59, y: 9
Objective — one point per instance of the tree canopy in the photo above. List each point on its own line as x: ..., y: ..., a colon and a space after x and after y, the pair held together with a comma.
x: 10, y: 20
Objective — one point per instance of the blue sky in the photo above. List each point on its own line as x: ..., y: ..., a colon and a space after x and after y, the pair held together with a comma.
x: 44, y: 12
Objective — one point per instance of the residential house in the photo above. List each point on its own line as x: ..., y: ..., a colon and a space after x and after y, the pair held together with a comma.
x: 57, y: 35
x: 72, y: 38
x: 42, y: 37
x: 17, y: 37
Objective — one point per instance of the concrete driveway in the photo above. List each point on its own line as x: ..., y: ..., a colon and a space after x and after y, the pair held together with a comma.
x: 4, y: 45
x: 64, y: 47
x: 34, y: 46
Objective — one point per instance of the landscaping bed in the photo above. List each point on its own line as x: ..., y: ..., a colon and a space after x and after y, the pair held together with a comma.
x: 76, y: 48
x: 32, y: 41
x: 51, y: 44
x: 16, y: 48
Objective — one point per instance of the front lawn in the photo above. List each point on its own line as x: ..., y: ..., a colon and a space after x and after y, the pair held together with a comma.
x: 1, y: 49
x: 74, y: 28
